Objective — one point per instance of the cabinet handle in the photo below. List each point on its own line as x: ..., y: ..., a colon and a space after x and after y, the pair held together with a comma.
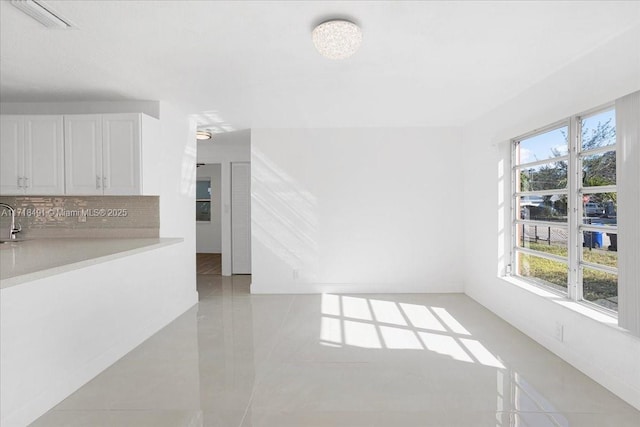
x: 97, y: 181
x: 26, y: 182
x: 20, y: 182
x: 105, y: 182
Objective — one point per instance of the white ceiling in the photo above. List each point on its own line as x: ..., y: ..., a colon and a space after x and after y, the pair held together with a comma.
x: 252, y: 64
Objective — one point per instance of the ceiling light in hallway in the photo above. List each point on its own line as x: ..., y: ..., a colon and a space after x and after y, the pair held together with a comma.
x: 203, y: 134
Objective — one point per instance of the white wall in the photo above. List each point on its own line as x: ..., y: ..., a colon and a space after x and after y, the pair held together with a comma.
x: 601, y: 350
x: 225, y: 148
x: 209, y: 234
x: 356, y: 210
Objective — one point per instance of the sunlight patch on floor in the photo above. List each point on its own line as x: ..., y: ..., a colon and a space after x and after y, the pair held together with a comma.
x: 379, y: 324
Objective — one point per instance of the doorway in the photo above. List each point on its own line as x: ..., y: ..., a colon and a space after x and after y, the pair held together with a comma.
x: 231, y: 153
x: 209, y: 219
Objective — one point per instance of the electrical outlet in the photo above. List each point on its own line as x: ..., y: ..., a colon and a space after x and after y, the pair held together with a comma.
x: 82, y: 218
x: 559, y: 331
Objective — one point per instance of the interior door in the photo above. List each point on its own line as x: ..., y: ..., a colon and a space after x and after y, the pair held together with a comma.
x: 241, y: 218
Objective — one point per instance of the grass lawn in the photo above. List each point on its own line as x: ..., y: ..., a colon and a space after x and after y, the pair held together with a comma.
x: 597, y: 284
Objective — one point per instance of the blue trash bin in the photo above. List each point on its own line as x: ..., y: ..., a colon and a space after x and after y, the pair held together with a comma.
x: 592, y: 239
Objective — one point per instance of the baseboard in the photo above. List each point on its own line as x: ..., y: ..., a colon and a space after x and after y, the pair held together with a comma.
x: 355, y: 288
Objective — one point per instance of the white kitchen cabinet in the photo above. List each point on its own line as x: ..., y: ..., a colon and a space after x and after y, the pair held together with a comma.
x: 11, y: 143
x: 121, y: 141
x: 32, y: 160
x: 83, y: 154
x: 103, y: 154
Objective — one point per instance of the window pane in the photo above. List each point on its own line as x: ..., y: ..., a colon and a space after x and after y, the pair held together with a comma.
x: 203, y: 189
x: 543, y: 146
x: 599, y: 169
x: 544, y: 239
x: 203, y: 211
x: 600, y: 248
x: 543, y: 208
x: 599, y: 130
x: 600, y: 208
x: 600, y: 288
x: 550, y: 176
x: 543, y: 271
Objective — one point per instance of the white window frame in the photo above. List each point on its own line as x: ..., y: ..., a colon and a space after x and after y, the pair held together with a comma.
x: 574, y: 191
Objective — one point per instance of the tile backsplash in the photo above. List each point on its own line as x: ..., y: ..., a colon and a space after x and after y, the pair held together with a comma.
x: 84, y: 216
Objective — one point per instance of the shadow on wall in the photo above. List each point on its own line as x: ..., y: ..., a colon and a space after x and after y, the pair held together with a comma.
x: 284, y: 215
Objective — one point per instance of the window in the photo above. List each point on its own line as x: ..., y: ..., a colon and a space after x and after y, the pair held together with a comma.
x: 565, y: 208
x: 203, y: 200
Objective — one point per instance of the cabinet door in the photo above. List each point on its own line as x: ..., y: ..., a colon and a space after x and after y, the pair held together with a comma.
x: 43, y: 155
x: 240, y: 218
x: 121, y: 154
x: 83, y: 154
x: 11, y: 160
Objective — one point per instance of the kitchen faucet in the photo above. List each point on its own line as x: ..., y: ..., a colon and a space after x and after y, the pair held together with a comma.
x: 12, y: 230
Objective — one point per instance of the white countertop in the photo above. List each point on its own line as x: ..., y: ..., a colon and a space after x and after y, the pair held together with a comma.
x: 28, y: 260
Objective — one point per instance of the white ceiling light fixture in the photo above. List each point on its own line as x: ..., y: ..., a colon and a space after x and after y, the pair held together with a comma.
x: 43, y: 13
x: 203, y: 134
x: 337, y: 38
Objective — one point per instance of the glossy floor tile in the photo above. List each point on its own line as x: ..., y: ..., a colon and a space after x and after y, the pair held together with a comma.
x: 241, y: 360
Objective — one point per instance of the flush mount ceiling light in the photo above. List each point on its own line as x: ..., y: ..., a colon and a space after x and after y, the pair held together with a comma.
x: 43, y: 13
x: 337, y: 38
x: 203, y: 134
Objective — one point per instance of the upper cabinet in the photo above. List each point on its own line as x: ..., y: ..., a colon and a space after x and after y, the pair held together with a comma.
x: 11, y: 154
x: 31, y: 155
x: 84, y: 154
x: 121, y: 162
x: 102, y: 154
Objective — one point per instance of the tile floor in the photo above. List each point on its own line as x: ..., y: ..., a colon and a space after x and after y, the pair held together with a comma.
x: 338, y: 360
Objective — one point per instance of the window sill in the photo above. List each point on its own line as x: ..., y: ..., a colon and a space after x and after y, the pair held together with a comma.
x: 575, y: 306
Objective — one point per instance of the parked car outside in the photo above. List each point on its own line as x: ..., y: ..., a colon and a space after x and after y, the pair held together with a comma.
x: 593, y: 209
x: 529, y: 204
